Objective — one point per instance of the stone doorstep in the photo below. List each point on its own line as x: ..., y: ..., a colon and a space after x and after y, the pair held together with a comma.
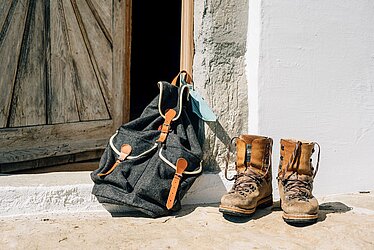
x: 62, y: 192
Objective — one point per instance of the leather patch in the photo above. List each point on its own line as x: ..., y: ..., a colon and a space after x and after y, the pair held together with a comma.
x: 169, y: 116
x: 125, y: 151
x: 181, y: 166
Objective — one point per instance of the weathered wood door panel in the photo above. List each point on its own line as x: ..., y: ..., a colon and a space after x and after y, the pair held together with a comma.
x: 63, y: 88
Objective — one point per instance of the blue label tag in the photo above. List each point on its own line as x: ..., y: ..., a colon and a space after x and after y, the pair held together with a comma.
x: 200, y: 107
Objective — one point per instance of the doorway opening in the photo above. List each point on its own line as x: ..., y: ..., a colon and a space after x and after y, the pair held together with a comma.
x: 155, y: 49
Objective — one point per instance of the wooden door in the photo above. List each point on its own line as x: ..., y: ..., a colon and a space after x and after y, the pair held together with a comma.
x: 63, y: 79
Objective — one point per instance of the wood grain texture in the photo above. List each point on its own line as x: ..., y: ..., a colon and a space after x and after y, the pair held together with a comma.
x: 29, y: 103
x: 121, y: 59
x: 127, y: 60
x: 187, y: 44
x: 67, y: 164
x: 102, y: 10
x: 10, y: 45
x: 4, y: 10
x: 62, y: 103
x: 28, y: 143
x: 99, y: 48
x: 77, y: 113
x: 34, y: 165
x: 90, y: 102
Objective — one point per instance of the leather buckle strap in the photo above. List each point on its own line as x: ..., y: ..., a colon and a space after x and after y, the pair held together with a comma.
x: 187, y: 78
x: 170, y: 114
x: 125, y: 151
x: 181, y: 166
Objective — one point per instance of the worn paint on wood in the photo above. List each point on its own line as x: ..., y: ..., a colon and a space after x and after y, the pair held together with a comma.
x: 10, y: 46
x: 57, y: 160
x: 28, y: 102
x: 52, y: 140
x: 99, y: 48
x: 91, y: 104
x: 102, y: 10
x: 4, y: 9
x: 121, y: 57
x: 54, y: 51
x: 60, y: 86
x: 65, y: 83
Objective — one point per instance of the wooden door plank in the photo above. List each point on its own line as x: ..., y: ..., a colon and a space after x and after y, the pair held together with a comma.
x: 103, y: 8
x: 99, y: 48
x: 69, y: 141
x: 29, y: 102
x: 37, y: 142
x: 62, y: 103
x: 10, y: 46
x: 90, y: 101
x: 4, y: 10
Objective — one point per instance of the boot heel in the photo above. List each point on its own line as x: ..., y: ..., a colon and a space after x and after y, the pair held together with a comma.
x: 267, y: 202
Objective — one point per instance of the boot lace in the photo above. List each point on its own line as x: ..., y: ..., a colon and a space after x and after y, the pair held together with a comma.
x: 298, y: 189
x: 246, y: 183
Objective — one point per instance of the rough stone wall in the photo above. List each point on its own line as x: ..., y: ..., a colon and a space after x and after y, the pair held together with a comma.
x: 219, y: 72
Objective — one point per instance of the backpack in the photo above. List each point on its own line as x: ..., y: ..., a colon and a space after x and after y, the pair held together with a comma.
x: 151, y: 162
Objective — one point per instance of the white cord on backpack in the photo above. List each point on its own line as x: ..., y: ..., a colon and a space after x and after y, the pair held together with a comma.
x: 130, y: 157
x: 198, y: 171
x: 160, y: 84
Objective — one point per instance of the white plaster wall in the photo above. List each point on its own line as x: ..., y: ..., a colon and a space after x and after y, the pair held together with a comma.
x: 310, y: 72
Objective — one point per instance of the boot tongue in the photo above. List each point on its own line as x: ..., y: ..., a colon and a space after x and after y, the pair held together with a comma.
x: 252, y: 153
x: 298, y: 157
x: 258, y: 155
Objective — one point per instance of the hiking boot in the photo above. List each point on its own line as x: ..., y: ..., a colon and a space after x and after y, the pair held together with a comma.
x: 252, y: 187
x: 295, y: 182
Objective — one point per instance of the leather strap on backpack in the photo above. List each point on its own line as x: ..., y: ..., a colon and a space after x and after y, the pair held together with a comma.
x: 165, y: 129
x: 181, y: 166
x: 125, y: 151
x: 187, y: 78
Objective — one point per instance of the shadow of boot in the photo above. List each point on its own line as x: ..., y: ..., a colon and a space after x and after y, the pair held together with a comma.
x: 331, y: 207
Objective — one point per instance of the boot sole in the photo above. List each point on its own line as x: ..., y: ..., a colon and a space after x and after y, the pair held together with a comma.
x: 300, y: 219
x: 237, y: 211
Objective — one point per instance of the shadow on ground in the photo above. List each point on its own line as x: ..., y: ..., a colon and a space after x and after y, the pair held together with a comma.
x: 187, y: 209
x: 331, y: 207
x: 257, y: 215
x: 324, y: 209
x: 128, y: 211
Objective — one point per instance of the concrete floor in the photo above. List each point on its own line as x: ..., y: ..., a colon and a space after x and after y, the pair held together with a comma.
x: 346, y: 222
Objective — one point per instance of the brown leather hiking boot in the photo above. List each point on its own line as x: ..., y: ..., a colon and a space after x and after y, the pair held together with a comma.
x: 295, y: 182
x: 252, y: 187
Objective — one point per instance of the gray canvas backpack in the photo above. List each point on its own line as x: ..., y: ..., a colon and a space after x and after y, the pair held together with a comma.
x: 151, y: 162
